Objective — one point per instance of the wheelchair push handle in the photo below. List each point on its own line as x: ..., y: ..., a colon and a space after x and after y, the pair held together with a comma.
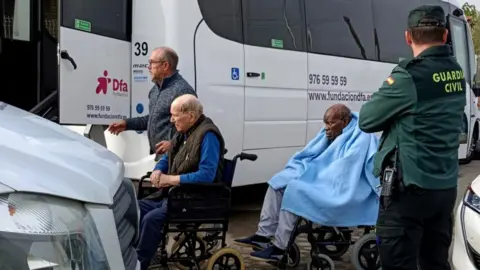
x: 251, y: 157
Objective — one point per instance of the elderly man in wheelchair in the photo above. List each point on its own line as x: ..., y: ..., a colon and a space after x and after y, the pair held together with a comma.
x: 330, y: 183
x: 189, y: 182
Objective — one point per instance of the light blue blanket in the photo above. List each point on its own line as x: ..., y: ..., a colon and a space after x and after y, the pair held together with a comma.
x: 333, y: 185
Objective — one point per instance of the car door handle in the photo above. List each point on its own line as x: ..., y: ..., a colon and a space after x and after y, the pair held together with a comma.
x: 65, y: 55
x: 253, y: 74
x: 472, y: 115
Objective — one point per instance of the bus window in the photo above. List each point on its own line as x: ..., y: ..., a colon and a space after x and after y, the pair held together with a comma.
x: 16, y: 19
x: 340, y: 28
x: 392, y: 47
x: 274, y: 24
x: 109, y: 18
x: 223, y: 17
x: 460, y: 46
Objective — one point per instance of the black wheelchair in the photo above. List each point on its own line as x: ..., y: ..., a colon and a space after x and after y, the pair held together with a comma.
x: 198, y: 216
x: 329, y: 243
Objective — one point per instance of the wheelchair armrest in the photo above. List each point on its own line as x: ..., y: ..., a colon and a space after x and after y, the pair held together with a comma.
x: 140, y: 185
x: 147, y: 175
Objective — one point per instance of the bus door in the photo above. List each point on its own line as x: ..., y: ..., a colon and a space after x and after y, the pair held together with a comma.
x: 94, y: 61
x: 459, y: 37
x: 18, y: 53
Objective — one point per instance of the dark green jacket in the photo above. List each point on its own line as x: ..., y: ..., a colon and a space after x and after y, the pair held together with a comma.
x: 420, y: 109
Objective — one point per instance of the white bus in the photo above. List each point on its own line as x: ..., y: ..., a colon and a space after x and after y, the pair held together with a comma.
x: 265, y: 70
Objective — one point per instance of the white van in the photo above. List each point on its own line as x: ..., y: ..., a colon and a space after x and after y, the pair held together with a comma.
x: 64, y: 203
x: 265, y: 71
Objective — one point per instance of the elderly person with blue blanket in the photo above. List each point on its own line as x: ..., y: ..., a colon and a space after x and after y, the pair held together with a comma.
x: 330, y: 182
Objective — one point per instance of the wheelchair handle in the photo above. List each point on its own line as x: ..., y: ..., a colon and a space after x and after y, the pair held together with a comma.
x: 251, y: 157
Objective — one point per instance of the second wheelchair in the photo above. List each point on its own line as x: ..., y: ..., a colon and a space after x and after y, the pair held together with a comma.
x: 328, y: 243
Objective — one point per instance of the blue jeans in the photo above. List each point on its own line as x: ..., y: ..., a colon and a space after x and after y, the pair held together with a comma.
x: 152, y: 218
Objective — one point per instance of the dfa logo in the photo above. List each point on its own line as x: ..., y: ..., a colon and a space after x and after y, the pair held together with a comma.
x: 119, y: 87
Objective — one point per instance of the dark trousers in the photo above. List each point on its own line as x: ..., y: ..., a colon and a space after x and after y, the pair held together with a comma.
x: 152, y: 218
x: 415, y: 229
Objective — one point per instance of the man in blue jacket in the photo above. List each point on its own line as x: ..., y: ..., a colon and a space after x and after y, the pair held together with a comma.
x: 169, y: 84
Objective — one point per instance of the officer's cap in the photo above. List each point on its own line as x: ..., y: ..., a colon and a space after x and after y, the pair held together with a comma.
x: 426, y: 15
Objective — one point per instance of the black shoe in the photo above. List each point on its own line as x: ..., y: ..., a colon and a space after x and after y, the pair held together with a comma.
x: 254, y: 241
x: 271, y: 253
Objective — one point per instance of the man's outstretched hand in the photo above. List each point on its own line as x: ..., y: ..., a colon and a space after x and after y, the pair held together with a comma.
x: 163, y: 147
x: 117, y: 127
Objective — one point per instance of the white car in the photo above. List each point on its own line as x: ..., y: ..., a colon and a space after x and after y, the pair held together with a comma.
x: 466, y: 243
x: 64, y: 203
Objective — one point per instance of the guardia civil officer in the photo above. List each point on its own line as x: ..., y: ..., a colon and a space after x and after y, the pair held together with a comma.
x: 419, y: 109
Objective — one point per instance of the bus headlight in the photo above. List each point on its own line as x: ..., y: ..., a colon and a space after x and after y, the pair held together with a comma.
x: 46, y: 232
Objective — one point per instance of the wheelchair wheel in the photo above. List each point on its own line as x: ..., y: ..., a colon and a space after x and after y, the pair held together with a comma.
x: 365, y: 255
x: 293, y: 256
x: 226, y: 259
x: 320, y: 262
x: 180, y: 249
x: 334, y: 251
x: 212, y: 245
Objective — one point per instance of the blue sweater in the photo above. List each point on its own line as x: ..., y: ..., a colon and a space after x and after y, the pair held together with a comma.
x: 157, y: 121
x: 209, y: 158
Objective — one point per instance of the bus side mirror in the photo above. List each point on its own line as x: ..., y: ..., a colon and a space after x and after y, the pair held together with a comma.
x: 458, y: 12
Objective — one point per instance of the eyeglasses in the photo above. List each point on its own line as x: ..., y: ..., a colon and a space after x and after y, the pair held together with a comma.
x: 150, y: 62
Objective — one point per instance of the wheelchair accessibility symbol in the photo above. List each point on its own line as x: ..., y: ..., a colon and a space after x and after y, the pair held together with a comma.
x: 235, y: 74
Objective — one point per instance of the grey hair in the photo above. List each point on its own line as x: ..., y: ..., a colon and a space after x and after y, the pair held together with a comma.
x: 192, y: 105
x: 169, y: 56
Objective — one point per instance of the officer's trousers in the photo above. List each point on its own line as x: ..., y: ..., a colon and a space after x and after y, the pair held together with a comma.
x: 415, y: 229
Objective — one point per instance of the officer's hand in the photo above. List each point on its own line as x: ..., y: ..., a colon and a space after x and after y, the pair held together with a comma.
x: 117, y: 127
x: 163, y: 147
